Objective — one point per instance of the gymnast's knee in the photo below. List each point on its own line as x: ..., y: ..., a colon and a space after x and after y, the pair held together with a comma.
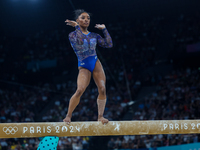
x: 79, y: 92
x: 102, y: 91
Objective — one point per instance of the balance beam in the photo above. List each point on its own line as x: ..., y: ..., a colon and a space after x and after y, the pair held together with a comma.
x: 60, y: 129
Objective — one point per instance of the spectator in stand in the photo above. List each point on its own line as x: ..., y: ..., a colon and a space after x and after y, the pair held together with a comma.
x: 111, y: 144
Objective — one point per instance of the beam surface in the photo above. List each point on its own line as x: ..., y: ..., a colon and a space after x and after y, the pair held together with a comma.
x: 60, y: 129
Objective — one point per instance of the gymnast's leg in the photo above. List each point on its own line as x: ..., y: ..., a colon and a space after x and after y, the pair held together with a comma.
x: 83, y: 81
x: 100, y: 80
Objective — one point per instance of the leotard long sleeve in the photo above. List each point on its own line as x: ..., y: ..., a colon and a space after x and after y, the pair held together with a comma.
x: 84, y: 45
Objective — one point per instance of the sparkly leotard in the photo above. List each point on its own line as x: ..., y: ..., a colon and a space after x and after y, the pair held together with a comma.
x: 84, y: 46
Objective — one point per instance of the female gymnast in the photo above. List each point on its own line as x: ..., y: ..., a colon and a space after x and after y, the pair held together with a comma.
x: 84, y: 44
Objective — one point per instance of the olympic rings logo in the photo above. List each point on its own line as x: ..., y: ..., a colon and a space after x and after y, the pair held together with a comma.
x: 10, y: 130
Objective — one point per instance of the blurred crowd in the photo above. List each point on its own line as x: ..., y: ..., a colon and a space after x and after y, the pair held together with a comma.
x: 187, y: 32
x: 21, y: 104
x: 177, y: 98
x: 135, y: 46
x: 71, y: 143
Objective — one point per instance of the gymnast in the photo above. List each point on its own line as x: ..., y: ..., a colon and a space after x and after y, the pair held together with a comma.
x: 84, y: 43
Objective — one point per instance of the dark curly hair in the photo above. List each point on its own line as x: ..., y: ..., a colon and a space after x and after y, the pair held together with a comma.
x: 78, y: 12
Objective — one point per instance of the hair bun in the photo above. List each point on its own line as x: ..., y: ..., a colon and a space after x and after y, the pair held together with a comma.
x: 78, y: 12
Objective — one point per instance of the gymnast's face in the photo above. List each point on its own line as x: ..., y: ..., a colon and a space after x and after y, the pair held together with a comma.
x: 84, y: 20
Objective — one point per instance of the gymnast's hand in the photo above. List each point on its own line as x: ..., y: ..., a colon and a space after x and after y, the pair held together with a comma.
x: 71, y: 23
x: 100, y: 26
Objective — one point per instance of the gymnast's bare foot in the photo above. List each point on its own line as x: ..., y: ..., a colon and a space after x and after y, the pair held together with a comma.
x: 103, y: 120
x: 67, y: 119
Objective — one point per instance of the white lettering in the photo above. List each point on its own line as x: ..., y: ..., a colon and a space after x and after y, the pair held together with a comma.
x: 198, y: 125
x: 25, y: 129
x: 185, y: 126
x: 57, y: 129
x: 72, y: 129
x: 49, y: 129
x: 38, y: 129
x: 176, y: 126
x: 171, y: 126
x: 165, y: 126
x: 78, y: 129
x: 31, y: 129
x: 193, y: 126
x: 64, y: 128
x: 43, y: 129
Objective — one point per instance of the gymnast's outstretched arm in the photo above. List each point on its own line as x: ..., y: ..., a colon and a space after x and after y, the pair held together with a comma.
x: 75, y: 37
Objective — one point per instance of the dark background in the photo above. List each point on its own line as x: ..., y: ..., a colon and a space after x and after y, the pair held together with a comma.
x: 22, y: 17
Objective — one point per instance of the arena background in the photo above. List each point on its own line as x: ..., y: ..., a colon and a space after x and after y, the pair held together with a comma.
x: 152, y: 70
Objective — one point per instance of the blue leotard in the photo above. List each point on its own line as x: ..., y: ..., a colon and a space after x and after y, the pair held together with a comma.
x: 84, y: 46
